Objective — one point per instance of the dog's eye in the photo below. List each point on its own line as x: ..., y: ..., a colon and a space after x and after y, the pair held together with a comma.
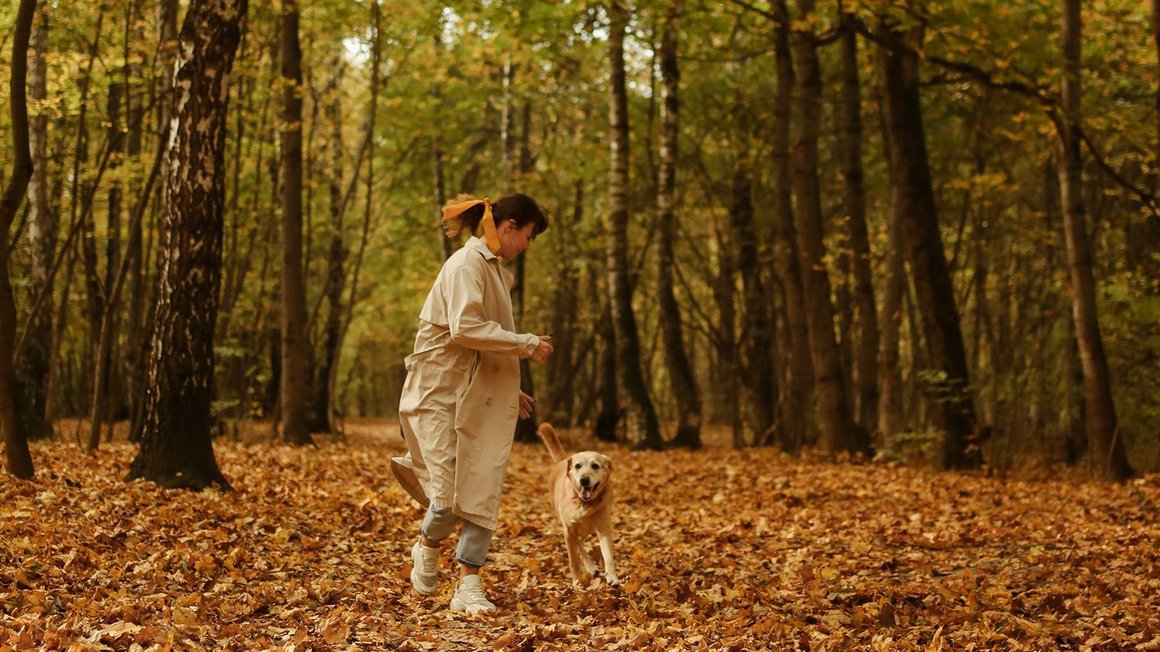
x: 579, y: 465
x: 595, y: 466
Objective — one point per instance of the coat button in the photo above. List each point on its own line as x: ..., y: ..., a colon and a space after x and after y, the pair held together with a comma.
x: 487, y: 402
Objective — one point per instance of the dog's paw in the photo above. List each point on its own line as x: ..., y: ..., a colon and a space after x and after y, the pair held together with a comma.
x: 612, y: 580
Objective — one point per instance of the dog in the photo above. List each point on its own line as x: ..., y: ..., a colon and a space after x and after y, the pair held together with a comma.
x: 580, y: 487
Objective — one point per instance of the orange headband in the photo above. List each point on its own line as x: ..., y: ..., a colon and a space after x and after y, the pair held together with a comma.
x: 453, y: 210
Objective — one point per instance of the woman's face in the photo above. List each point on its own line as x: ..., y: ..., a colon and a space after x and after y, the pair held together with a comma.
x: 515, y: 240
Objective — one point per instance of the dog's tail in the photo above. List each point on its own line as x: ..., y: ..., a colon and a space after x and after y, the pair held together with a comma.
x: 548, y: 434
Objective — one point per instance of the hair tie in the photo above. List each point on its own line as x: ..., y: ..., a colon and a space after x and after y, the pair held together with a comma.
x: 453, y: 223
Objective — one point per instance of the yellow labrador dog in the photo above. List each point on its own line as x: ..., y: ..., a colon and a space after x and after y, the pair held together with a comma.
x: 580, y: 486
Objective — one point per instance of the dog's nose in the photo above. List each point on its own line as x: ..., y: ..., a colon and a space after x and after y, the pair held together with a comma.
x: 584, y: 482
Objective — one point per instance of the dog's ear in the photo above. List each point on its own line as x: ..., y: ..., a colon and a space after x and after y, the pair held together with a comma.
x: 606, y: 462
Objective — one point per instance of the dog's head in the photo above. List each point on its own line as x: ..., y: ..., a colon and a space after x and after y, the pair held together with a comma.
x: 589, y: 473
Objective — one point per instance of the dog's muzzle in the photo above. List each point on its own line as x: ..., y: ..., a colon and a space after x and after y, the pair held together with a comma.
x: 587, y: 489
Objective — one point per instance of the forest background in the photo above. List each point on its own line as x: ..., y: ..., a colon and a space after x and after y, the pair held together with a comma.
x: 792, y: 235
x: 926, y: 231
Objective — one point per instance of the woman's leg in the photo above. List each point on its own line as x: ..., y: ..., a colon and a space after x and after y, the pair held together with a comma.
x: 438, y: 522
x: 471, y: 553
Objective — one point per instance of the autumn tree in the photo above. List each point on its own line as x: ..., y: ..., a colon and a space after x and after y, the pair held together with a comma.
x: 834, y: 416
x: 34, y: 354
x: 19, y: 460
x: 1106, y: 444
x: 947, y: 381
x: 641, y: 419
x: 176, y: 449
x: 295, y: 399
x: 680, y: 371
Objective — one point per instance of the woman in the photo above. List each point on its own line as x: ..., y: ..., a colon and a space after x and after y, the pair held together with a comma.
x: 462, y: 394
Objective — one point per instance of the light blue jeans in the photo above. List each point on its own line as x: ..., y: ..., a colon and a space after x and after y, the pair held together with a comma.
x: 474, y: 541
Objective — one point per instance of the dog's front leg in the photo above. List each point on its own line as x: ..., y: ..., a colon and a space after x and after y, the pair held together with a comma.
x: 575, y: 556
x: 604, y: 533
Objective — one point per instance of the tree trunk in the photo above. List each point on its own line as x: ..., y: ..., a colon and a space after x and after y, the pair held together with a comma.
x: 643, y: 431
x: 680, y: 371
x: 1106, y: 443
x: 294, y: 396
x: 12, y: 400
x: 335, y: 264
x: 755, y: 348
x: 891, y: 419
x: 34, y: 363
x: 866, y: 350
x: 177, y: 423
x: 837, y: 426
x: 795, y: 430
x: 946, y: 382
x: 562, y: 373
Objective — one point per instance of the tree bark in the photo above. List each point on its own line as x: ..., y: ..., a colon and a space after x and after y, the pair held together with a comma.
x: 1109, y: 458
x: 680, y: 371
x: 294, y: 396
x: 335, y: 264
x: 642, y: 428
x: 946, y: 382
x: 12, y: 400
x: 34, y: 361
x: 795, y: 429
x: 837, y: 426
x: 176, y: 445
x: 866, y: 351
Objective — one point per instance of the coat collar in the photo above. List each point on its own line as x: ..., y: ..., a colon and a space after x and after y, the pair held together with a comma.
x: 476, y: 243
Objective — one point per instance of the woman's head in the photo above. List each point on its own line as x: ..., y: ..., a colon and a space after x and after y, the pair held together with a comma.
x: 518, y: 220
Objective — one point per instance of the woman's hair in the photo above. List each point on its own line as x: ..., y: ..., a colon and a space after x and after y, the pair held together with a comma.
x: 517, y: 207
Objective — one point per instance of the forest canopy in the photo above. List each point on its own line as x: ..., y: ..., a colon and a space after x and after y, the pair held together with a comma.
x: 860, y: 219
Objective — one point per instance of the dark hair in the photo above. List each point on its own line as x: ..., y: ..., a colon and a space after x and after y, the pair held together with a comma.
x: 522, y: 210
x: 517, y: 207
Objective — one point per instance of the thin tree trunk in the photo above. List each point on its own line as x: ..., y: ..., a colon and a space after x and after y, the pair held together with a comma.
x: 837, y: 425
x: 643, y: 430
x: 12, y: 400
x: 176, y: 444
x: 680, y: 371
x: 795, y: 430
x: 34, y: 361
x: 295, y: 402
x: 866, y: 356
x: 1106, y: 443
x: 946, y: 382
x: 565, y: 319
x: 335, y: 262
x: 364, y: 236
x: 108, y: 321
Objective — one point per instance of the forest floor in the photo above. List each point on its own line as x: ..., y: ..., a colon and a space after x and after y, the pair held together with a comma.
x: 717, y: 549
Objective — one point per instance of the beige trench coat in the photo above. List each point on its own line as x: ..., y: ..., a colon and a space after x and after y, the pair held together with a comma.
x: 460, y: 400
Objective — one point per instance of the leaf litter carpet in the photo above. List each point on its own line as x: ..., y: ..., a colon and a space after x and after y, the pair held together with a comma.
x: 717, y: 549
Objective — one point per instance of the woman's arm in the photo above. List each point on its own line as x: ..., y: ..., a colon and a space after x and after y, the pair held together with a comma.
x: 468, y: 322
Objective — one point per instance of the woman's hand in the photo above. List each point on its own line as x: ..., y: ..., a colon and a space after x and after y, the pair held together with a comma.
x: 527, y: 405
x: 543, y: 350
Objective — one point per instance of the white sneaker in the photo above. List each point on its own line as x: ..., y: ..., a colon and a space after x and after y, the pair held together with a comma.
x: 425, y: 573
x: 469, y: 596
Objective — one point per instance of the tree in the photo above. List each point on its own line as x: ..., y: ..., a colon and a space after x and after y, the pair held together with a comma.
x: 177, y: 421
x: 947, y: 382
x: 834, y: 416
x: 1106, y: 445
x: 795, y: 431
x: 640, y: 417
x: 680, y: 371
x: 34, y: 357
x: 19, y: 459
x: 866, y: 362
x: 295, y: 398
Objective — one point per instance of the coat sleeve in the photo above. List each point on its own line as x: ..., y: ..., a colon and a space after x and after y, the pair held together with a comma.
x: 467, y: 318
